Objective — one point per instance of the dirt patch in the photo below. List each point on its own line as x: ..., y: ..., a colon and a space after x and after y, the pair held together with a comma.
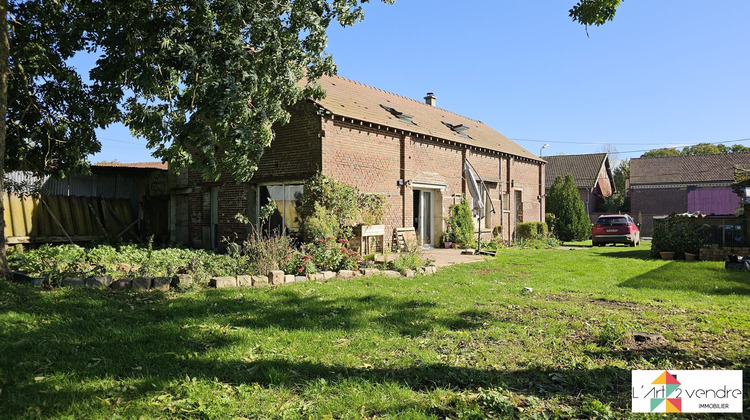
x: 614, y: 304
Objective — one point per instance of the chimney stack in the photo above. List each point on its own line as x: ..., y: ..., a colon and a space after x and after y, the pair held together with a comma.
x: 430, y: 99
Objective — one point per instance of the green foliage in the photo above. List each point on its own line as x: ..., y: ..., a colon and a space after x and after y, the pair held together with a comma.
x: 184, y: 81
x: 618, y: 202
x: 663, y: 152
x: 299, y: 262
x: 550, y: 219
x: 330, y: 254
x: 460, y: 225
x: 371, y: 208
x: 595, y: 409
x: 679, y: 234
x: 411, y: 259
x: 571, y: 221
x: 741, y: 179
x: 612, y: 334
x: 532, y: 230
x: 594, y: 12
x: 325, y: 200
x: 697, y: 149
x: 621, y: 174
x: 69, y: 261
x: 320, y: 224
x: 432, y: 347
x: 543, y: 243
x: 263, y: 253
x: 497, y: 402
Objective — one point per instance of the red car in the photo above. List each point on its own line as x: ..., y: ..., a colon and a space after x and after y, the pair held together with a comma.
x: 615, y: 229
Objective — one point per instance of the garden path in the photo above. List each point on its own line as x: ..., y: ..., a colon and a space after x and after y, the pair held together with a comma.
x: 445, y: 257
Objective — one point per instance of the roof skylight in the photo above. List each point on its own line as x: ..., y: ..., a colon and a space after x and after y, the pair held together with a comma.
x: 398, y: 114
x: 459, y: 129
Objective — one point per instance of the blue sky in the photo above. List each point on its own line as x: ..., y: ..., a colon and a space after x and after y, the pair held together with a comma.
x: 663, y: 73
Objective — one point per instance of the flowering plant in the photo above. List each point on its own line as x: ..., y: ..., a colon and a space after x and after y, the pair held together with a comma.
x: 332, y: 255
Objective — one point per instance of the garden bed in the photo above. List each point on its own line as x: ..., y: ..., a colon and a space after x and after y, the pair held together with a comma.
x: 141, y: 267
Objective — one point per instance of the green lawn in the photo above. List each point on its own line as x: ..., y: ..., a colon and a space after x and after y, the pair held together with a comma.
x: 468, y: 342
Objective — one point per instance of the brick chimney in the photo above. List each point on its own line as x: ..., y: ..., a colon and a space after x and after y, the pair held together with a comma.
x: 430, y: 99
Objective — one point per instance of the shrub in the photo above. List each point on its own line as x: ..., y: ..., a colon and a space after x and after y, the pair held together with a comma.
x: 571, y: 220
x: 299, y: 262
x: 371, y: 208
x: 411, y: 259
x: 679, y: 234
x: 264, y: 253
x: 461, y: 224
x: 330, y: 254
x: 532, y: 230
x: 341, y: 202
x: 320, y: 224
x: 550, y: 219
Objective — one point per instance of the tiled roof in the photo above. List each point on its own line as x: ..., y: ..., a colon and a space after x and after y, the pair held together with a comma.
x: 682, y: 169
x: 350, y: 99
x: 585, y: 168
x: 135, y: 165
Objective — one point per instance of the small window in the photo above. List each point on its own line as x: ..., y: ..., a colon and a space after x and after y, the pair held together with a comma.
x: 459, y: 129
x: 286, y: 198
x: 398, y: 114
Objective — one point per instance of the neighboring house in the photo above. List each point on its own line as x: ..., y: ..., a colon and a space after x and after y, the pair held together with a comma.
x: 129, y: 199
x: 409, y: 151
x: 678, y: 184
x: 592, y: 174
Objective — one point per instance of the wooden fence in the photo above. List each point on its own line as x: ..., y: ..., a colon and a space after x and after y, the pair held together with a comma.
x: 57, y: 218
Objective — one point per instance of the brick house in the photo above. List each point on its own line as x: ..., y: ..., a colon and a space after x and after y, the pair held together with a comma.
x: 592, y: 174
x: 409, y: 151
x: 678, y: 184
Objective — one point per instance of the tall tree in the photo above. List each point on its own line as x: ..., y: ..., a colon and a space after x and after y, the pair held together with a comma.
x: 571, y: 221
x: 663, y: 152
x: 202, y: 80
x: 697, y: 149
x: 621, y: 174
x: 704, y: 149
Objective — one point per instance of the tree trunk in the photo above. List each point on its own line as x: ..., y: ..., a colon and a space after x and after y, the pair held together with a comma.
x: 4, y: 72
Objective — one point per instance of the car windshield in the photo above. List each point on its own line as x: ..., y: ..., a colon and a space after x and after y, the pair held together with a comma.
x: 612, y: 221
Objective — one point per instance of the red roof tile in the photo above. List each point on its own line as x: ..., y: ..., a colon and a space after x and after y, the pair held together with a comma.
x: 347, y: 98
x: 685, y: 169
x: 584, y: 168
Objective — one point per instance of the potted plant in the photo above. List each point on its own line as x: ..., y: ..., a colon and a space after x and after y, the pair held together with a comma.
x: 666, y: 255
x: 448, y: 236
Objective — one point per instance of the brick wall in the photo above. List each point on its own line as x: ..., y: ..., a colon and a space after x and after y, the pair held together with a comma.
x: 647, y: 203
x: 373, y: 159
x: 295, y: 153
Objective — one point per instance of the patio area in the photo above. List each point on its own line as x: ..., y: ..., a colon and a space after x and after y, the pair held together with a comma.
x: 445, y: 257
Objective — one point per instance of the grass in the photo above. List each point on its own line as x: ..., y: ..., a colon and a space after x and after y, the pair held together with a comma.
x: 469, y: 342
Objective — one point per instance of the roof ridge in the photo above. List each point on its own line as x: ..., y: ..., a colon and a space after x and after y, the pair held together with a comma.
x: 407, y: 98
x: 702, y: 156
x: 578, y: 154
